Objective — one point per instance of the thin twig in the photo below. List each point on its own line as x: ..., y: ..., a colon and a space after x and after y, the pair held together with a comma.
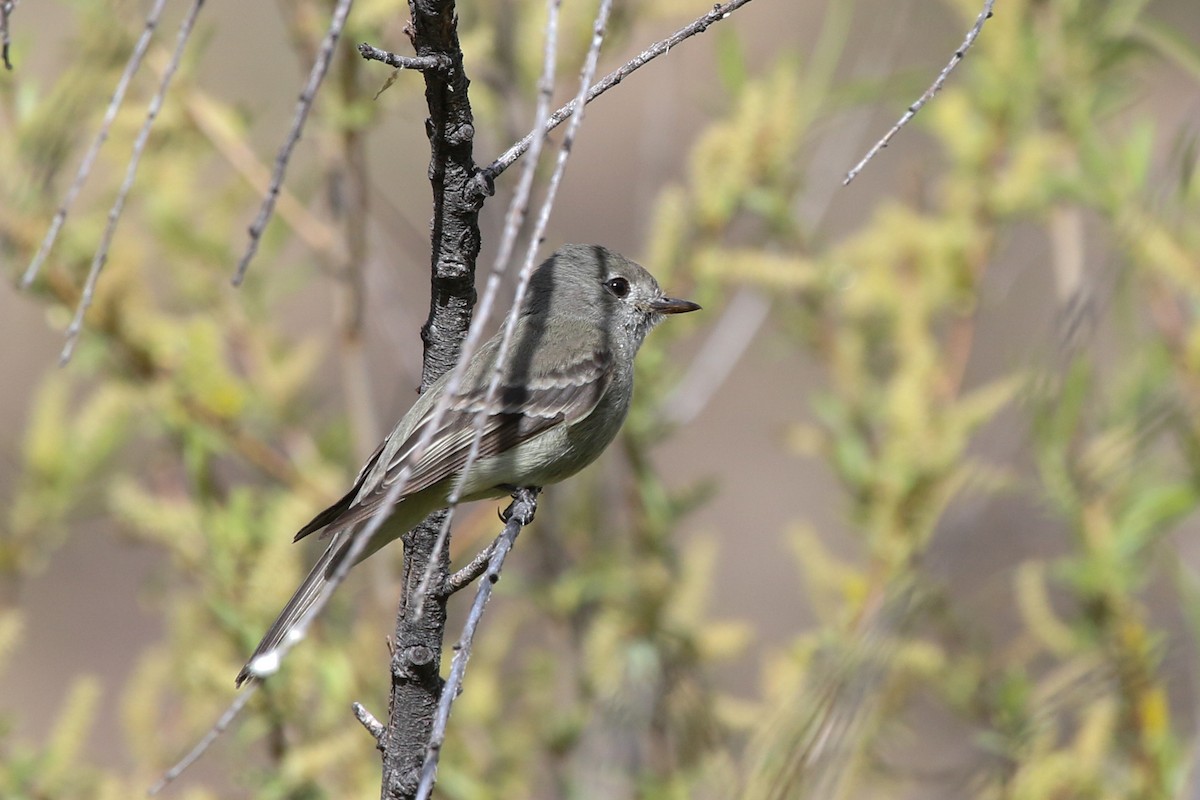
x: 114, y: 214
x: 934, y: 88
x: 564, y: 149
x: 467, y: 575
x: 303, y: 106
x: 519, y: 514
x: 373, y: 726
x: 513, y: 219
x: 418, y: 63
x: 216, y: 730
x: 718, y: 13
x: 89, y: 158
x: 316, y: 234
x: 6, y: 9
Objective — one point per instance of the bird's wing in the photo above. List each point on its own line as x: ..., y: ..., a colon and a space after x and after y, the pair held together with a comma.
x: 518, y: 413
x: 334, y: 511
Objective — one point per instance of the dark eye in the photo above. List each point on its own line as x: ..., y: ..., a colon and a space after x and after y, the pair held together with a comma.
x: 618, y: 286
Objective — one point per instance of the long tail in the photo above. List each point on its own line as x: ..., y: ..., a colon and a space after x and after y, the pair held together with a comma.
x: 302, y: 600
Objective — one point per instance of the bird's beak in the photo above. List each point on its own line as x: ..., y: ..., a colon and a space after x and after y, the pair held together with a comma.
x: 671, y: 305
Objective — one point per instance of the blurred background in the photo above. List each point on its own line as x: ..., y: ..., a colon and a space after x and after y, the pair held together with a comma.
x: 908, y: 511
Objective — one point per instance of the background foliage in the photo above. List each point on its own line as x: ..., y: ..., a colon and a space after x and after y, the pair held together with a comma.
x: 203, y: 423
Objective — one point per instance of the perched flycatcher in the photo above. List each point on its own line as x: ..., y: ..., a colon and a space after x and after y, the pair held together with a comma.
x: 566, y: 386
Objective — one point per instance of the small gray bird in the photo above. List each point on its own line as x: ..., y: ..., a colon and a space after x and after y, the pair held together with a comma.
x: 565, y: 390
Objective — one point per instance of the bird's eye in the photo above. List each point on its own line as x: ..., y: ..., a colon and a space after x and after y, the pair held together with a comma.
x: 618, y: 286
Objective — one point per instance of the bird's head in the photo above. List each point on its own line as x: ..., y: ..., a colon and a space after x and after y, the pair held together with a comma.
x: 597, y: 284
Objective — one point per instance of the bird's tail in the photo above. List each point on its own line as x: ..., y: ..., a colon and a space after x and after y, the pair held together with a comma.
x: 307, y: 594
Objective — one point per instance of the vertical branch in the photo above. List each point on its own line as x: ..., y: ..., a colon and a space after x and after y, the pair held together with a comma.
x: 456, y: 204
x: 416, y: 683
x: 513, y: 219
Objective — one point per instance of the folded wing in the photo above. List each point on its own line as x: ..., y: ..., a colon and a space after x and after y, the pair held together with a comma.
x: 518, y: 413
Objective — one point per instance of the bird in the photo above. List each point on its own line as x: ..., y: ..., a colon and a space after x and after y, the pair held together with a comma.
x: 566, y: 387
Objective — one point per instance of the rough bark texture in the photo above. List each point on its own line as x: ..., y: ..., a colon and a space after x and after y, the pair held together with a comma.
x: 455, y: 236
x: 416, y: 662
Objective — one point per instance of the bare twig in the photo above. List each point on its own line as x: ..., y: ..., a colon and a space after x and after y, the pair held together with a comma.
x: 139, y: 147
x: 718, y: 13
x: 455, y: 238
x: 316, y: 234
x: 519, y: 514
x: 465, y: 576
x: 373, y: 726
x: 6, y: 9
x: 89, y: 158
x: 320, y: 66
x: 216, y: 730
x: 564, y: 152
x: 513, y: 220
x: 418, y: 63
x: 934, y: 88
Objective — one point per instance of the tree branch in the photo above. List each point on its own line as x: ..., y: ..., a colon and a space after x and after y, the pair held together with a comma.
x: 467, y: 575
x: 437, y: 62
x: 315, y: 76
x: 89, y: 158
x: 201, y: 746
x: 513, y: 219
x: 487, y: 176
x: 933, y: 89
x: 373, y: 726
x: 455, y: 239
x: 518, y: 514
x: 135, y: 158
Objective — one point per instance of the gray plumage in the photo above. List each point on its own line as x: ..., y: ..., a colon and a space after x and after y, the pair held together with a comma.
x: 566, y: 387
